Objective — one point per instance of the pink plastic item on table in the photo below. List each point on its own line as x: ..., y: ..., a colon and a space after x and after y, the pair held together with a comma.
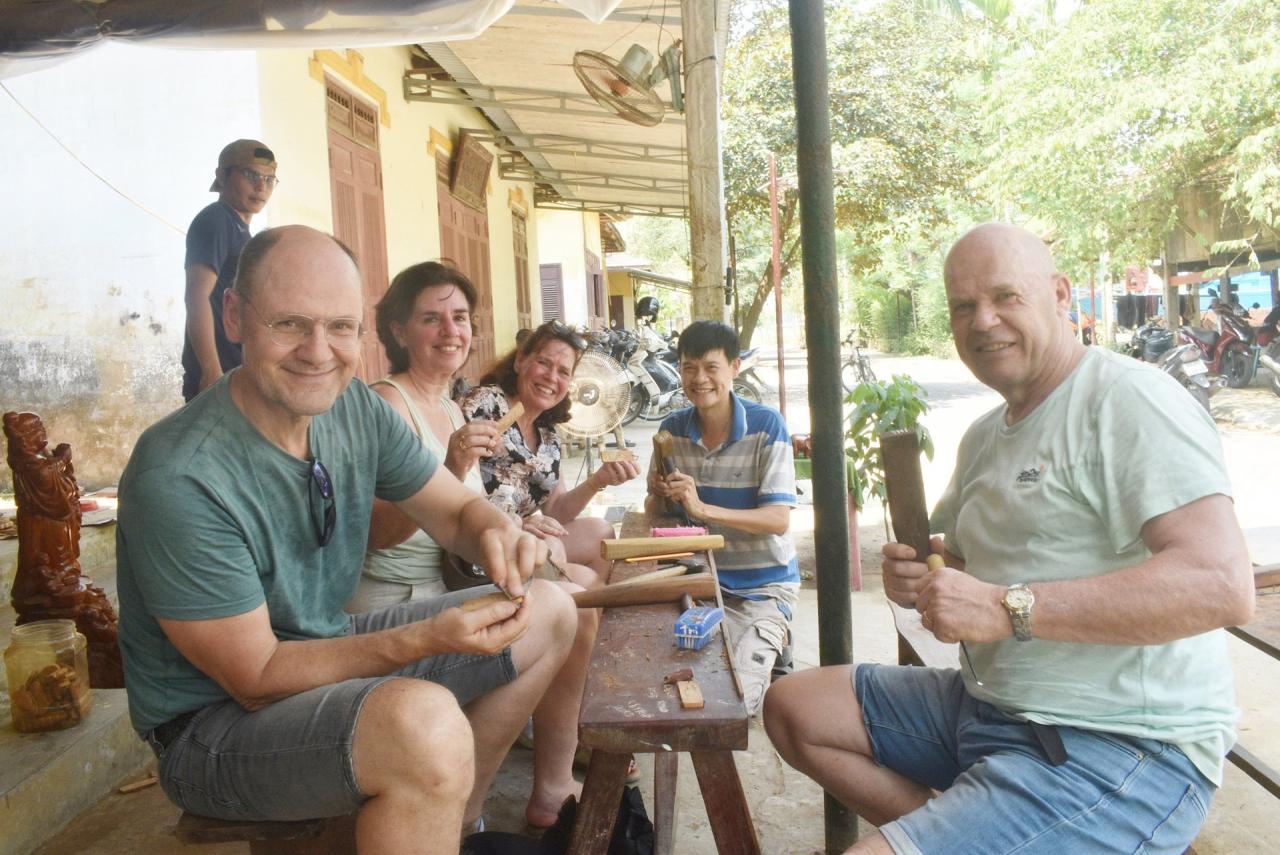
x: 678, y: 531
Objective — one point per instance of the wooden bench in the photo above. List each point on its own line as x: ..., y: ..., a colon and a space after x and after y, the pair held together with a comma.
x: 330, y: 836
x: 626, y: 709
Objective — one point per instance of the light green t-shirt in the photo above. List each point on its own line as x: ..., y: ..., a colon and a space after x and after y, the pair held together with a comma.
x: 1064, y: 494
x: 215, y: 520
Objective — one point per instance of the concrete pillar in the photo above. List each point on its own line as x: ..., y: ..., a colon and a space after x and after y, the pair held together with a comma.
x: 707, y: 232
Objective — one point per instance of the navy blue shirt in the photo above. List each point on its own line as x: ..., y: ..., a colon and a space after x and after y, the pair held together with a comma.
x: 215, y: 239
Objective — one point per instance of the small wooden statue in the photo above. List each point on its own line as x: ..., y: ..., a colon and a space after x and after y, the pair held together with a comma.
x: 49, y: 583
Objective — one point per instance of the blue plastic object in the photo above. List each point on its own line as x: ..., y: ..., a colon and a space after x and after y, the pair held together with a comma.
x: 694, y: 627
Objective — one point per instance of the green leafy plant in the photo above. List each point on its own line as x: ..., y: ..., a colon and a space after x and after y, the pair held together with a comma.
x: 879, y: 408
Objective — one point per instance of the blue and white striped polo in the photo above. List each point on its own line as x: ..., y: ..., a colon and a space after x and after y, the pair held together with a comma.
x: 752, y: 469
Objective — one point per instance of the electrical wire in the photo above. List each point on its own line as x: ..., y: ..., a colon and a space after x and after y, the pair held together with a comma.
x: 87, y: 167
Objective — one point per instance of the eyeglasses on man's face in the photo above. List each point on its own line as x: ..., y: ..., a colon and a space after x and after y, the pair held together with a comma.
x: 254, y: 177
x: 325, y: 521
x: 292, y: 330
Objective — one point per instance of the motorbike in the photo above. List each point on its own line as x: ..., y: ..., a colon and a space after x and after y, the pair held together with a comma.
x: 747, y: 384
x: 1268, y: 342
x: 657, y: 390
x: 1229, y: 351
x: 1183, y: 363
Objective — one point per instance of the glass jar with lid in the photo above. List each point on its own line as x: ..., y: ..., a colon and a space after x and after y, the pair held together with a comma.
x: 48, y: 671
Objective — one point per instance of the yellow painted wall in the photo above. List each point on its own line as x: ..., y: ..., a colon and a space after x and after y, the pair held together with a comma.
x: 294, y: 119
x: 563, y: 238
x: 620, y: 284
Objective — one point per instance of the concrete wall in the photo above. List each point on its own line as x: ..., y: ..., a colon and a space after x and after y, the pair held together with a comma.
x: 91, y: 285
x: 563, y: 238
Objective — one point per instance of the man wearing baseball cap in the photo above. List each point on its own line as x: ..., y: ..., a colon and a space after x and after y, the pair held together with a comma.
x: 244, y: 179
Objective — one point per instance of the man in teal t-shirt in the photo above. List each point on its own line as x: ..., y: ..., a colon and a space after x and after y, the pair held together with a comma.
x: 242, y: 527
x: 1090, y: 581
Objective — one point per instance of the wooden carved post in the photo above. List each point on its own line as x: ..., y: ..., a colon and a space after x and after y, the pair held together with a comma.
x: 48, y: 583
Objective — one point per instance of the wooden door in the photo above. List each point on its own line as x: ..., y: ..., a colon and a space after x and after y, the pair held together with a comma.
x: 355, y: 174
x: 464, y: 241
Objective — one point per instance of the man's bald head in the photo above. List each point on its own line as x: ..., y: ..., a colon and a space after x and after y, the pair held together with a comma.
x: 256, y: 256
x: 1013, y: 246
x: 1008, y: 307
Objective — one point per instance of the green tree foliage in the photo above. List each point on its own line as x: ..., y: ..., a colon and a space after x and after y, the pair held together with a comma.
x: 880, y: 408
x: 1129, y: 102
x: 901, y: 133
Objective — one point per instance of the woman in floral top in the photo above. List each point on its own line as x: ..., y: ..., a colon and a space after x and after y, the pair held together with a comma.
x: 522, y: 474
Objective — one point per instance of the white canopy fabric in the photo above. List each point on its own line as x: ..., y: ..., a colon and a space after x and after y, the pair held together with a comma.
x: 37, y: 33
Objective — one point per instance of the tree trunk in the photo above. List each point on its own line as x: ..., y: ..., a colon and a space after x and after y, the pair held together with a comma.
x: 752, y: 310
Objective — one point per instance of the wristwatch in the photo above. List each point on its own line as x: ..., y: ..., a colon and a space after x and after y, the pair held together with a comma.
x: 1018, y: 601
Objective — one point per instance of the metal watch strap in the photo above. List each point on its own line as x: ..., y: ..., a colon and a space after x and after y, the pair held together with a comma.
x: 1020, y: 617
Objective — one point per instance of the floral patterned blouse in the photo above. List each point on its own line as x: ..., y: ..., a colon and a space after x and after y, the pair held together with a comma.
x: 517, y: 480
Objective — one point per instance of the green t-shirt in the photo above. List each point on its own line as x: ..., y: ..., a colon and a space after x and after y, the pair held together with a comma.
x: 215, y: 520
x: 1063, y: 494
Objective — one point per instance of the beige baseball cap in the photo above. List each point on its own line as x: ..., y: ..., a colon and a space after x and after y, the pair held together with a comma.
x: 243, y: 153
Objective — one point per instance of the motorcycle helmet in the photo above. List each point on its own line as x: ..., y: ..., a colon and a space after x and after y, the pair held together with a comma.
x: 647, y: 307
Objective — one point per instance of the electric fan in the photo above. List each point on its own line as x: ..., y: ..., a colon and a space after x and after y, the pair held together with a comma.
x: 625, y: 86
x: 598, y: 398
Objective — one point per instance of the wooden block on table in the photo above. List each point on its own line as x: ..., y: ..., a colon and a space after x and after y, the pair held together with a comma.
x: 690, y: 695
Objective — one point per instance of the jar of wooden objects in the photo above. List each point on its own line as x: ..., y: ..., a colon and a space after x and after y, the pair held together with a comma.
x: 48, y: 672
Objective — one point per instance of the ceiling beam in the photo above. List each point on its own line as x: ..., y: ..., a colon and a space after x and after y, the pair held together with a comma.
x: 419, y: 87
x: 559, y: 144
x: 511, y: 167
x: 545, y: 199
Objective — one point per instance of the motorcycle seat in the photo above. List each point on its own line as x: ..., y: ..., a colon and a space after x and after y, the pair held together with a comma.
x: 744, y: 355
x: 1209, y: 337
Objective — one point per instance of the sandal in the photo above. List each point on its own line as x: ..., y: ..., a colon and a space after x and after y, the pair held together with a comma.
x: 582, y: 759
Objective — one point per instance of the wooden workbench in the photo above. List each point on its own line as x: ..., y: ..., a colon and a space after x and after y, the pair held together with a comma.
x: 626, y: 709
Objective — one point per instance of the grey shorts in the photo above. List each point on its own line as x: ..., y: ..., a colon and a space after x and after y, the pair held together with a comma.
x: 292, y: 759
x: 760, y: 629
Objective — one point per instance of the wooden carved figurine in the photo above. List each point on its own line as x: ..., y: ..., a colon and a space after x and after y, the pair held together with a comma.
x: 48, y: 583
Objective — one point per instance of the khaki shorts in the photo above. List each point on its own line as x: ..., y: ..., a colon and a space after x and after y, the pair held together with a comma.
x: 759, y: 630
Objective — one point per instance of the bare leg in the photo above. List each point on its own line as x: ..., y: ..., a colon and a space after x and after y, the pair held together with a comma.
x: 413, y: 757
x: 582, y: 544
x: 497, y: 717
x: 814, y: 721
x: 555, y: 726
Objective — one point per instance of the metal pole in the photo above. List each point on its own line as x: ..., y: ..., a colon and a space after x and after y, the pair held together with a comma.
x: 822, y: 328
x: 776, y: 263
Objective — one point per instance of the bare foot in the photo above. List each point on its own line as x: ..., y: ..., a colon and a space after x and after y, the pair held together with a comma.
x: 544, y: 804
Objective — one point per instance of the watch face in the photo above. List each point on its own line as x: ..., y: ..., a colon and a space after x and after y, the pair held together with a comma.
x: 1019, y: 598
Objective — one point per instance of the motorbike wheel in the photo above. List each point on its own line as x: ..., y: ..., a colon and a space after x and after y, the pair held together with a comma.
x: 746, y: 391
x: 1237, y: 368
x: 637, y: 404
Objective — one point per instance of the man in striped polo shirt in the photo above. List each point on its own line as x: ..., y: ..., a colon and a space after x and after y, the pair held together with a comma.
x: 734, y: 474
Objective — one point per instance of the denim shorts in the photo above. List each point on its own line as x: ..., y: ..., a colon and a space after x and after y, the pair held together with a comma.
x: 1000, y: 794
x: 292, y: 760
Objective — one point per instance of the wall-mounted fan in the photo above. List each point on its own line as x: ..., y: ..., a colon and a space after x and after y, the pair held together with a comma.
x: 625, y: 86
x: 598, y: 398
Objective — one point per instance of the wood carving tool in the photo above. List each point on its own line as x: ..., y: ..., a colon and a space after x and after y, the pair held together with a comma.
x: 724, y: 630
x: 934, y: 562
x: 676, y: 676
x: 516, y: 411
x: 645, y: 559
x: 699, y: 586
x: 636, y: 547
x: 499, y: 596
x: 690, y: 695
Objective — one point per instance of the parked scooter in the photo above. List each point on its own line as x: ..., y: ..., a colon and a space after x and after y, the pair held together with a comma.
x: 1229, y: 351
x: 1183, y: 363
x: 658, y: 390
